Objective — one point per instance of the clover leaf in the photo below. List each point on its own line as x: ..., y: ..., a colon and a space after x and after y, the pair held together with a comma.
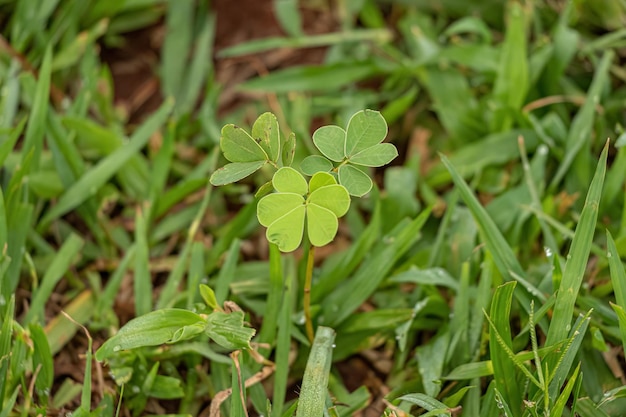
x: 248, y: 153
x: 360, y: 145
x: 320, y: 203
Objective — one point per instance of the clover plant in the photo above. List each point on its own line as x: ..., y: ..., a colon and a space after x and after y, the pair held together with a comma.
x: 297, y: 204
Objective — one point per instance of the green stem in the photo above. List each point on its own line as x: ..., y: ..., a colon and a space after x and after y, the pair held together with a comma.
x: 307, y: 294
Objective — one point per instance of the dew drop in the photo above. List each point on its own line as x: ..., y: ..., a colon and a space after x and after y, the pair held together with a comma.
x: 334, y: 346
x: 547, y: 251
x: 135, y: 389
x: 117, y: 348
x: 3, y: 301
x: 301, y: 320
x: 608, y: 255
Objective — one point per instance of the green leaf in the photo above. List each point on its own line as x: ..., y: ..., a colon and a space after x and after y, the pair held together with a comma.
x: 289, y: 149
x: 331, y: 142
x: 427, y: 402
x: 365, y: 129
x: 238, y: 146
x: 265, y: 132
x: 321, y: 179
x: 168, y: 325
x: 235, y: 171
x: 228, y: 330
x: 356, y: 181
x: 288, y: 180
x: 322, y: 225
x: 273, y: 206
x: 332, y: 197
x: 376, y: 156
x: 208, y: 295
x: 315, y: 163
x: 315, y: 379
x: 286, y: 232
x: 576, y: 264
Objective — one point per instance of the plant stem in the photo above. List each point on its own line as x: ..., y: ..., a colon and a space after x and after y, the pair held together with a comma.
x: 307, y: 294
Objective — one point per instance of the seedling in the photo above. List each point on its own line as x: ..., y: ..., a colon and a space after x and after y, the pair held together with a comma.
x: 318, y: 203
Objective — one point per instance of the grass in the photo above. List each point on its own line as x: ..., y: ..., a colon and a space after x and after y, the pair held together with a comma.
x: 482, y: 275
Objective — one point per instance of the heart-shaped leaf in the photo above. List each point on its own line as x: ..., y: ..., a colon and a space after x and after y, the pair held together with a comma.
x: 235, y: 171
x: 331, y: 141
x: 321, y: 179
x: 286, y: 231
x: 274, y: 206
x: 315, y: 163
x: 322, y: 224
x: 331, y: 197
x: 357, y: 182
x: 265, y: 132
x: 365, y: 129
x: 288, y: 180
x: 238, y: 146
x: 376, y: 156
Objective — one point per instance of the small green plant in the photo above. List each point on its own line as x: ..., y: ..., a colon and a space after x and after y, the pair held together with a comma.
x: 296, y: 204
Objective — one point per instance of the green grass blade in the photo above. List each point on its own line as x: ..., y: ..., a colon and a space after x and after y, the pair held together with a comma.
x: 315, y: 380
x: 577, y: 258
x: 59, y: 266
x: 500, y: 345
x: 227, y: 272
x: 582, y: 125
x: 512, y: 81
x: 283, y: 340
x: 618, y: 278
x: 6, y: 334
x: 88, y: 184
x: 561, y: 365
x: 19, y: 220
x: 33, y: 138
x: 312, y: 41
x: 267, y: 333
x: 200, y: 66
x: 142, y: 279
x: 559, y: 405
x: 176, y: 46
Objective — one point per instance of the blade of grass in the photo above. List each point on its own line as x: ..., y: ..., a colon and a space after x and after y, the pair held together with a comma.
x: 33, y: 138
x: 618, y: 279
x: 176, y: 46
x: 200, y: 66
x: 59, y: 266
x: 512, y: 81
x: 6, y: 334
x: 227, y: 272
x: 196, y: 272
x: 500, y: 345
x: 142, y: 279
x: 267, y: 334
x: 582, y: 125
x: 561, y: 360
x: 311, y: 41
x: 315, y: 379
x: 283, y: 340
x: 577, y: 258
